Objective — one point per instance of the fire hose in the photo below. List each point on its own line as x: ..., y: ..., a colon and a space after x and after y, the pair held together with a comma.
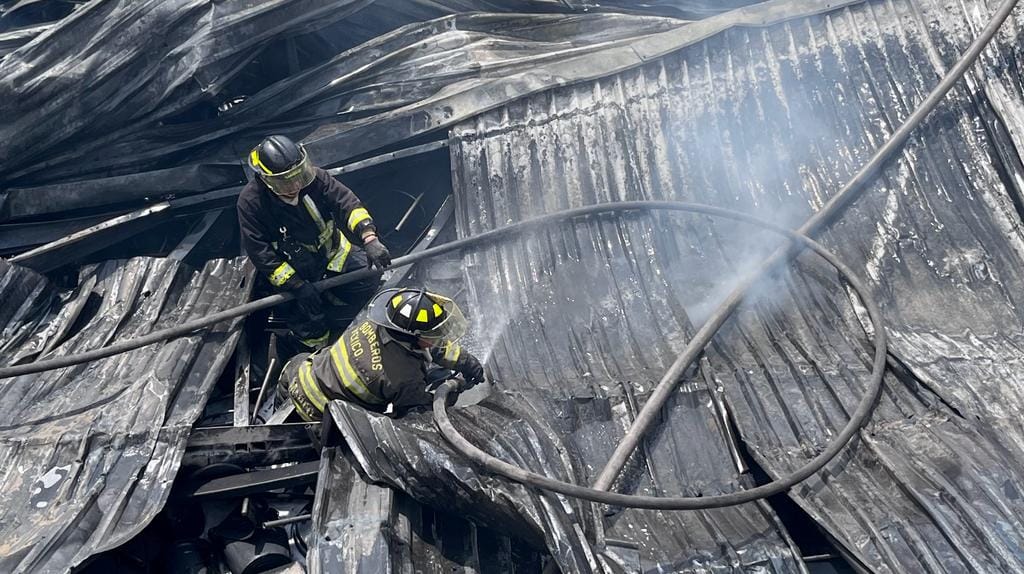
x: 648, y: 414
x: 272, y: 300
x: 856, y: 421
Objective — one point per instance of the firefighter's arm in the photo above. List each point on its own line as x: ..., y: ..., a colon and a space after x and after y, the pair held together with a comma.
x: 257, y: 246
x: 355, y: 219
x: 350, y: 213
x: 451, y: 355
x: 409, y: 395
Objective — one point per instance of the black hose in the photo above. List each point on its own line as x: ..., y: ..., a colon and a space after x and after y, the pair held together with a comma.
x: 272, y: 300
x: 649, y: 413
x: 856, y: 421
x: 700, y: 340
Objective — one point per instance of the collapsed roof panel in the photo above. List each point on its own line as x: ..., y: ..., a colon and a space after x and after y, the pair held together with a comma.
x: 772, y: 121
x: 370, y: 80
x: 565, y: 426
x: 122, y: 140
x: 568, y: 436
x: 362, y: 527
x: 68, y: 100
x: 89, y: 452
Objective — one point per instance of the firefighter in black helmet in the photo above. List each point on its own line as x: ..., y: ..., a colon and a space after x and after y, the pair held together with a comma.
x: 384, y: 363
x: 300, y: 225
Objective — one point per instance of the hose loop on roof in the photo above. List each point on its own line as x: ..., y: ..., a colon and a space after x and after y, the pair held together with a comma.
x: 602, y: 495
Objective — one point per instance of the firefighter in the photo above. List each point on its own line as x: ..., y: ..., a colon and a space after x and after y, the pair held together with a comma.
x: 300, y: 225
x: 386, y: 362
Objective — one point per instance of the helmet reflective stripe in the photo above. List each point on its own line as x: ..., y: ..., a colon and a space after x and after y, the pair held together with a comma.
x: 348, y: 375
x: 254, y: 160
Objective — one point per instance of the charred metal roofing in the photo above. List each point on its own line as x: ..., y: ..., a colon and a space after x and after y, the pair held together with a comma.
x: 770, y: 120
x: 89, y: 453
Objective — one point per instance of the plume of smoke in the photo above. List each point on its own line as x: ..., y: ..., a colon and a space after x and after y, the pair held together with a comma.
x: 763, y: 161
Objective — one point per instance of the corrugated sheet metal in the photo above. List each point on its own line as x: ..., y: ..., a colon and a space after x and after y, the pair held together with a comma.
x: 565, y: 435
x: 154, y: 114
x: 361, y: 527
x: 88, y: 453
x: 772, y: 121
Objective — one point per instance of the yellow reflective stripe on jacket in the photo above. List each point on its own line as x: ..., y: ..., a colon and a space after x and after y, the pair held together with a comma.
x: 452, y: 351
x: 326, y: 229
x: 357, y: 216
x: 337, y: 262
x: 282, y: 274
x: 310, y: 387
x: 348, y: 374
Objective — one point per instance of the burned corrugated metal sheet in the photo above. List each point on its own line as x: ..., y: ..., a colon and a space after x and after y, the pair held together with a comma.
x: 28, y: 298
x: 561, y: 427
x: 772, y: 121
x: 88, y: 453
x: 362, y: 527
x: 135, y: 130
x: 144, y: 155
x: 564, y: 434
x: 101, y: 74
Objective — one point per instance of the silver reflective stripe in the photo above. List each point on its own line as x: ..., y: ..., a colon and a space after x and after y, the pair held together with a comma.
x: 326, y: 235
x: 314, y: 213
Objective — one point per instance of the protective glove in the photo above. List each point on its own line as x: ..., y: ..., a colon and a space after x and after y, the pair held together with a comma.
x: 472, y: 372
x: 377, y: 254
x: 306, y: 293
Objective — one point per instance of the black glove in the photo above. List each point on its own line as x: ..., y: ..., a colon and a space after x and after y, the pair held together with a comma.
x: 305, y: 292
x: 472, y: 372
x: 377, y: 254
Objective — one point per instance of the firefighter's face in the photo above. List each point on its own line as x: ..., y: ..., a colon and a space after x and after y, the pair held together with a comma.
x: 288, y: 192
x: 425, y: 344
x: 289, y: 183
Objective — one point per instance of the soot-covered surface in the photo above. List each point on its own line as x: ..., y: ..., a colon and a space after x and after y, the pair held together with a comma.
x: 770, y: 121
x: 88, y: 453
x: 363, y: 527
x: 173, y: 113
